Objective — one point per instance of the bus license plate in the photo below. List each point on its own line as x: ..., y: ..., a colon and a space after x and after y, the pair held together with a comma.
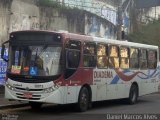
x: 27, y: 95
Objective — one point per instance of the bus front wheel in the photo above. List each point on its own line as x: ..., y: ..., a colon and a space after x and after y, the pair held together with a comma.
x: 83, y: 100
x: 133, y: 94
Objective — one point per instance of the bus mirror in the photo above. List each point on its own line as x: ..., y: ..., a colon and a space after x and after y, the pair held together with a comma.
x: 3, y: 56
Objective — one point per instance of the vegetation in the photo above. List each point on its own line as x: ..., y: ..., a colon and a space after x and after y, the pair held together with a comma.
x: 149, y: 34
x: 49, y: 3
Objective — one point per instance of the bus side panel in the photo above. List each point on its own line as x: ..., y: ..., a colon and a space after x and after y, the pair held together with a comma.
x: 94, y: 92
x: 123, y: 90
x: 147, y: 88
x: 72, y: 93
x: 148, y: 82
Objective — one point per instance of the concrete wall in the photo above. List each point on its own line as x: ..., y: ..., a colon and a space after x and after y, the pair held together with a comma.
x: 106, y: 9
x: 152, y: 13
x: 96, y: 26
x: 4, y: 19
x: 23, y: 15
x: 61, y: 19
x: 28, y: 15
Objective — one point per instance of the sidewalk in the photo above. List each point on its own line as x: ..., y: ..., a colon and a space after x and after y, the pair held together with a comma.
x: 5, y: 103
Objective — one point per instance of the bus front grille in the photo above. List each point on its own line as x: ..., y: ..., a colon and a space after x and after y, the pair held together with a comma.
x: 34, y: 96
x: 28, y: 98
x: 31, y: 90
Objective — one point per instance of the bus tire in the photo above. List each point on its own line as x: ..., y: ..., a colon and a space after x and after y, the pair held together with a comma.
x: 35, y: 105
x: 133, y: 94
x: 83, y: 100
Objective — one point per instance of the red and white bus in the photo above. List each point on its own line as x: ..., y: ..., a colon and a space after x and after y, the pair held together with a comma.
x: 64, y: 68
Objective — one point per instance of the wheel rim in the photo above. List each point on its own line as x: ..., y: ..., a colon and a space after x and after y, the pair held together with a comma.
x: 83, y: 101
x: 134, y: 94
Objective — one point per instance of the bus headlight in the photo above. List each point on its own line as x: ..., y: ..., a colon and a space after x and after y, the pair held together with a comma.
x: 9, y: 86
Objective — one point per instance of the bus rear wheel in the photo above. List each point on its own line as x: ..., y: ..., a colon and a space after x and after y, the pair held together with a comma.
x: 133, y: 94
x: 83, y: 100
x: 35, y: 105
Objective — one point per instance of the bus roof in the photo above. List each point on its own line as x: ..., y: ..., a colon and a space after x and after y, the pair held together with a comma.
x: 125, y: 43
x: 95, y: 39
x: 111, y: 41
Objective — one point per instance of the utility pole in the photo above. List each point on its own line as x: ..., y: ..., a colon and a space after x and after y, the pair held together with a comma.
x: 119, y: 26
x: 155, y: 12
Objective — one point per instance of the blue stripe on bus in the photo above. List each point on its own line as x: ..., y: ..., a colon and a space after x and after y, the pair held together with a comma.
x: 152, y: 75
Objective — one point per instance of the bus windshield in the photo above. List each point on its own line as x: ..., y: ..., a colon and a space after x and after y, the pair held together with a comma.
x: 42, y: 60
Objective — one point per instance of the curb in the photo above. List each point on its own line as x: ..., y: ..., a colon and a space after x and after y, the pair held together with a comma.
x: 14, y: 105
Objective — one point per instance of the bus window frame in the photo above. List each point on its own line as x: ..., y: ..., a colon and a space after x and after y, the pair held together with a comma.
x: 69, y: 71
x: 88, y: 54
x: 155, y: 60
x: 124, y: 57
x: 141, y: 58
x: 112, y: 57
x: 134, y: 58
x: 104, y: 57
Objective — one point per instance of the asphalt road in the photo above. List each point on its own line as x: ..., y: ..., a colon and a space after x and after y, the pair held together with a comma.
x: 108, y: 110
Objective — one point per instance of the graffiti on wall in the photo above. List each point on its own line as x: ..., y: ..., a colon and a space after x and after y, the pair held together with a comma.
x: 3, y: 67
x: 94, y: 26
x: 101, y: 8
x: 109, y: 14
x: 97, y: 28
x: 23, y: 22
x: 26, y: 22
x: 110, y: 31
x: 34, y: 23
x: 19, y: 22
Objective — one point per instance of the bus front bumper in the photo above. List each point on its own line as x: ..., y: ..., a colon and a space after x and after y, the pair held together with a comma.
x: 27, y: 92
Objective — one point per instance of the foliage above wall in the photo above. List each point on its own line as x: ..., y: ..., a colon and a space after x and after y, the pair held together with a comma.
x: 61, y: 8
x: 149, y: 34
x: 48, y: 3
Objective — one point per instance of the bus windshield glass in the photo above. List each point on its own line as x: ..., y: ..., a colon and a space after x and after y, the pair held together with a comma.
x: 42, y: 60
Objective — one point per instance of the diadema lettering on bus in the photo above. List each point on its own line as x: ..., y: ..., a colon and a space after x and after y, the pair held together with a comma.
x: 100, y: 74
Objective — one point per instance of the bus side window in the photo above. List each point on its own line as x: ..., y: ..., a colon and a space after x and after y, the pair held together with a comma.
x: 152, y: 59
x: 72, y: 49
x: 73, y: 58
x: 124, y: 58
x: 143, y: 59
x: 89, y: 54
x: 102, y: 56
x: 134, y: 60
x: 113, y: 56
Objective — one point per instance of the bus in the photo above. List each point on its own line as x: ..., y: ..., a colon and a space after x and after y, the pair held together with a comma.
x: 67, y: 68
